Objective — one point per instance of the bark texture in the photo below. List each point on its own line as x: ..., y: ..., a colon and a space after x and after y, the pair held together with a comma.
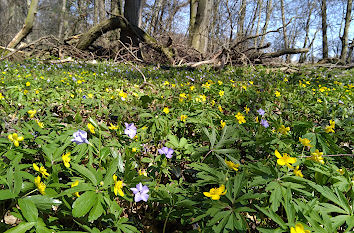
x: 132, y: 11
x: 344, y: 39
x: 324, y: 29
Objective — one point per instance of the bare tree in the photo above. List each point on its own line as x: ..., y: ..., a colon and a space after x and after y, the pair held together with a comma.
x: 324, y: 29
x: 344, y: 38
x: 63, y: 20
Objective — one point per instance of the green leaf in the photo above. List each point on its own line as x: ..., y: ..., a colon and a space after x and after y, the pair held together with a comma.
x: 108, y: 179
x: 21, y: 228
x: 6, y: 194
x: 80, y: 188
x: 97, y: 210
x: 28, y: 209
x: 84, y: 203
x: 85, y: 172
x: 44, y: 202
x: 272, y: 215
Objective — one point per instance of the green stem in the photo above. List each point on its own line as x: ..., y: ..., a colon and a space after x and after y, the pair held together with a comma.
x: 165, y: 223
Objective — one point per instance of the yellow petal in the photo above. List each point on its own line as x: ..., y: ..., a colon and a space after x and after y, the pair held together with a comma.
x: 277, y: 154
x: 35, y: 167
x: 16, y: 143
x: 281, y: 161
x: 207, y: 194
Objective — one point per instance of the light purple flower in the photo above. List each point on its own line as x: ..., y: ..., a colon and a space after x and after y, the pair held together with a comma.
x: 140, y: 192
x: 261, y: 112
x: 130, y: 130
x: 166, y: 151
x: 80, y: 137
x: 264, y: 123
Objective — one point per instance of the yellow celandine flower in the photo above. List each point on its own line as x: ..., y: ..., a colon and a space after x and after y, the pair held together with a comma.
x: 40, y: 124
x: 113, y: 127
x: 15, y: 139
x: 244, y: 87
x: 212, y: 102
x: 247, y: 109
x: 41, y: 170
x: 221, y: 93
x: 240, y: 118
x: 215, y: 193
x: 134, y: 149
x: 166, y: 83
x: 118, y: 186
x: 28, y: 84
x: 220, y: 109
x: 66, y: 159
x: 257, y: 120
x: 299, y: 228
x: 330, y: 128
x: 223, y: 123
x: 76, y: 183
x: 202, y: 98
x: 298, y: 172
x: 173, y: 85
x: 123, y: 95
x: 206, y: 85
x: 285, y: 159
x: 285, y: 80
x: 305, y: 142
x: 183, y: 118
x: 283, y: 130
x: 40, y: 185
x: 341, y: 171
x: 31, y: 113
x: 319, y: 101
x: 192, y: 88
x: 220, y: 83
x: 166, y: 110
x: 251, y: 82
x: 142, y: 173
x: 232, y: 165
x: 277, y: 94
x: 25, y: 92
x: 1, y: 96
x: 91, y: 128
x: 317, y: 156
x: 90, y: 95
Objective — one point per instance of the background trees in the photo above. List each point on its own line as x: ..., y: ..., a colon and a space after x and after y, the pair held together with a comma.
x: 323, y: 26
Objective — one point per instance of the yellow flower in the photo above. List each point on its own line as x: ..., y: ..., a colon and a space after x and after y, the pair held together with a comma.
x: 31, y: 113
x: 330, y: 128
x: 221, y: 93
x: 299, y: 228
x: 285, y: 80
x: 220, y: 108
x: 166, y: 83
x: 305, y: 142
x: 232, y: 165
x: 277, y: 94
x: 215, y: 193
x: 341, y: 171
x: 223, y: 123
x: 284, y: 130
x: 113, y: 127
x: 251, y: 82
x: 317, y: 156
x: 66, y: 159
x: 183, y: 118
x: 1, y: 96
x: 298, y: 172
x: 173, y: 85
x: 192, y: 88
x: 28, y: 84
x: 244, y: 87
x: 40, y: 124
x: 240, y: 118
x: 118, y: 186
x: 285, y: 159
x: 91, y: 128
x: 41, y: 170
x: 76, y: 183
x: 40, y: 185
x: 15, y: 139
x: 142, y: 173
x: 90, y: 95
x: 166, y: 110
x: 25, y: 92
x: 202, y: 98
x: 123, y: 95
x: 257, y: 120
x: 220, y: 83
x: 319, y: 101
x: 134, y: 149
x: 247, y: 109
x: 206, y: 85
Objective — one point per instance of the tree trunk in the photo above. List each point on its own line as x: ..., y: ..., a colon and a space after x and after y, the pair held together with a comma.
x: 241, y: 21
x: 344, y: 39
x: 127, y: 30
x: 63, y: 21
x: 27, y: 27
x: 286, y: 42
x: 324, y: 29
x: 265, y: 27
x: 132, y: 12
x: 199, y: 21
x: 117, y: 7
x: 259, y: 3
x: 307, y: 29
x: 95, y: 12
x: 102, y: 10
x: 157, y: 7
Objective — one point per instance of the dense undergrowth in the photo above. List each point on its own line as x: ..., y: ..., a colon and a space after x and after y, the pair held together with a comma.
x: 85, y: 149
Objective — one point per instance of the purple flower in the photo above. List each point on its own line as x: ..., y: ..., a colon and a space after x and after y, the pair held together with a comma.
x: 166, y: 151
x: 130, y: 130
x: 261, y: 112
x: 80, y: 137
x: 264, y: 123
x: 140, y: 192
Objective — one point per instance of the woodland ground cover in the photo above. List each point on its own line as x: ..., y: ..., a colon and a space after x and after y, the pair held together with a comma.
x: 85, y: 149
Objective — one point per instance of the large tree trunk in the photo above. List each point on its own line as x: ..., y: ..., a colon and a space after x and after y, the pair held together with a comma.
x: 241, y: 20
x: 265, y: 27
x: 63, y: 21
x: 27, y: 27
x: 285, y: 36
x: 307, y: 30
x: 95, y: 11
x: 344, y: 38
x: 102, y: 10
x: 117, y: 7
x: 132, y: 11
x: 199, y: 24
x: 127, y: 31
x: 324, y: 29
